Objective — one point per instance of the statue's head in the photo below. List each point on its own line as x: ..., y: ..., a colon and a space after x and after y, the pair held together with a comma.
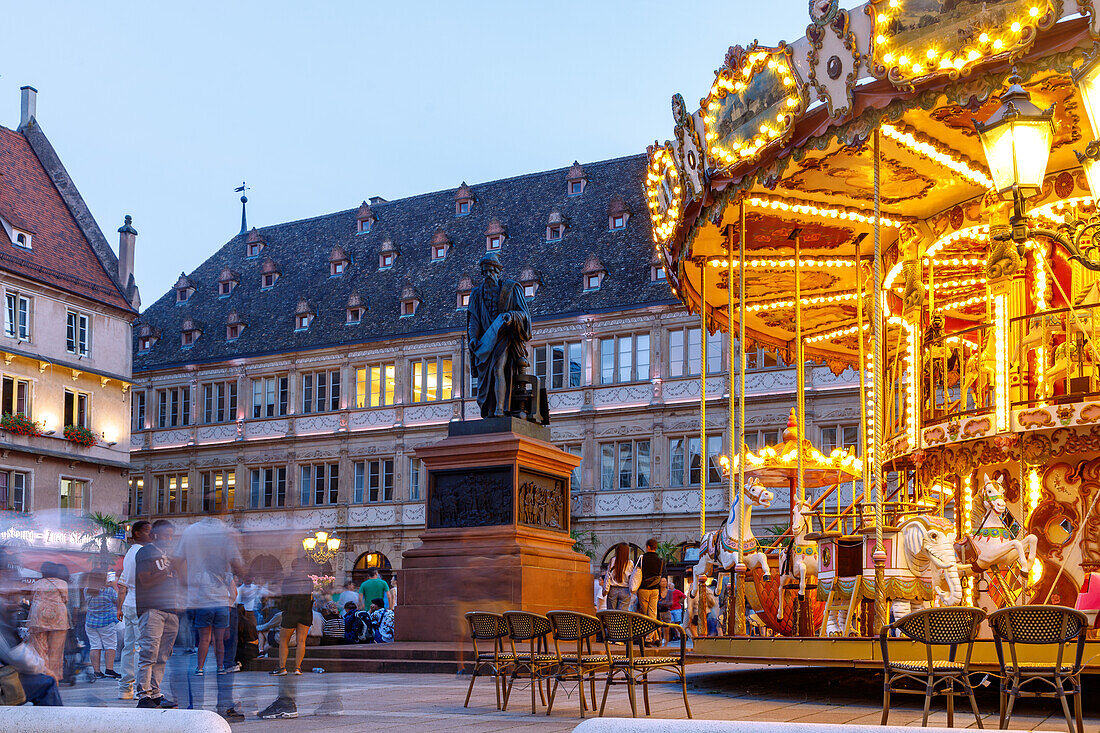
x: 490, y: 266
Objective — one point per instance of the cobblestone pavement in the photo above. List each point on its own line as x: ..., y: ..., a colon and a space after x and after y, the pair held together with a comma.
x: 353, y: 702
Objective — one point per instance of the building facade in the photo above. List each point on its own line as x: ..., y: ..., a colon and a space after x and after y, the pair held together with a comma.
x: 292, y: 376
x: 69, y: 302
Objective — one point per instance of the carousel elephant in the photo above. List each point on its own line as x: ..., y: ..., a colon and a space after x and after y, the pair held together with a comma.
x: 928, y: 548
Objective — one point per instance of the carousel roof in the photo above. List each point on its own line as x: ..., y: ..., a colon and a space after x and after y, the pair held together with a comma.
x: 786, y: 139
x: 777, y: 466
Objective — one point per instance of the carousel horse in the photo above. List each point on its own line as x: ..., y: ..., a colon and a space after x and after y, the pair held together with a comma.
x: 800, y: 559
x: 722, y: 547
x: 993, y: 541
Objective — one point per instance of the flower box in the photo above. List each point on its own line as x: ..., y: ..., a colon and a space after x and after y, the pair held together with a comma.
x: 19, y: 424
x: 80, y: 435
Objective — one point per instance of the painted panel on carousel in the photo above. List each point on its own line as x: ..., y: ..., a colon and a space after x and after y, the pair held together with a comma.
x: 690, y: 152
x: 753, y: 104
x: 914, y: 39
x: 834, y: 57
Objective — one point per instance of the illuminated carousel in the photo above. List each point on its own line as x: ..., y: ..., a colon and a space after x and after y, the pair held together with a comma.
x: 908, y: 191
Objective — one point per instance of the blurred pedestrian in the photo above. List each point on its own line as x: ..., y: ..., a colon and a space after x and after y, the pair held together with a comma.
x: 49, y: 617
x: 100, y: 622
x: 296, y: 600
x: 620, y: 583
x: 374, y: 587
x: 127, y: 609
x: 650, y: 567
x: 350, y: 593
x: 599, y: 598
x: 157, y: 590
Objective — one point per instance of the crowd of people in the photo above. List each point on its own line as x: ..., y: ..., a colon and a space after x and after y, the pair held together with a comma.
x: 645, y: 587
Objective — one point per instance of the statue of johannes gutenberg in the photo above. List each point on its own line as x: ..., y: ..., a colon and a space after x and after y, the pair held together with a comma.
x: 499, y: 327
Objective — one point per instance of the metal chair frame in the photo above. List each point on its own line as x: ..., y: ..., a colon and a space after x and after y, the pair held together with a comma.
x: 950, y: 626
x: 536, y: 663
x: 491, y: 627
x: 570, y: 626
x: 1040, y: 624
x: 624, y: 627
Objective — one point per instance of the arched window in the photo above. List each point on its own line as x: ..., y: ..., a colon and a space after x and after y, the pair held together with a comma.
x: 372, y: 559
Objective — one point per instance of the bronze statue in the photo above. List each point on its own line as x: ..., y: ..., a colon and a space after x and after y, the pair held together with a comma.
x: 499, y: 327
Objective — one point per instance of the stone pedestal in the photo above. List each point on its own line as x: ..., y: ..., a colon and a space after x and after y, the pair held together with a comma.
x: 497, y: 535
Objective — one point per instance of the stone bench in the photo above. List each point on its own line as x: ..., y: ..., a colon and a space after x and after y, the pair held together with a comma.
x: 31, y: 719
x: 683, y: 725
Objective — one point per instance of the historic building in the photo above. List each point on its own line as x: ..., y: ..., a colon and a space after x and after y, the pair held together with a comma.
x: 68, y: 305
x: 292, y: 376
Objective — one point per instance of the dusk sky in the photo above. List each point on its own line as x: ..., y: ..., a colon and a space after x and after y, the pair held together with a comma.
x: 159, y: 110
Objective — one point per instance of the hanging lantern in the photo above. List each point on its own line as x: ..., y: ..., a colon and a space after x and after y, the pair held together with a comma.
x: 1087, y: 80
x: 1017, y: 140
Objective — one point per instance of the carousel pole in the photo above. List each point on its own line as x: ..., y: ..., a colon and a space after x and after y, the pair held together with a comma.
x: 879, y: 555
x: 702, y: 400
x: 862, y: 383
x: 740, y: 568
x: 800, y: 371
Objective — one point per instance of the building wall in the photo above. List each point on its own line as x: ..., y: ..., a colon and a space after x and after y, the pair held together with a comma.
x: 657, y: 407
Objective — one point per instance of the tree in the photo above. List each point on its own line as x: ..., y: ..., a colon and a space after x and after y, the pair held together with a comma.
x: 109, y: 527
x: 585, y: 542
x: 667, y: 551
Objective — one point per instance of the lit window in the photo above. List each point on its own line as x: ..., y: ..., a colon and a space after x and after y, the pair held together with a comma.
x: 439, y: 251
x: 337, y: 268
x: 268, y: 280
x: 21, y: 239
x: 463, y: 300
x: 218, y: 489
x: 374, y: 385
x: 364, y: 226
x: 73, y: 494
x: 408, y: 307
x: 618, y: 222
x: 385, y: 260
x: 554, y: 232
x: 657, y: 274
x: 355, y: 315
x: 592, y: 282
x: 462, y: 208
x: 494, y: 242
x: 431, y: 379
x: 529, y: 290
x: 172, y: 494
x: 77, y: 329
x: 301, y: 322
x: 576, y: 187
x: 17, y: 317
x: 232, y: 332
x: 189, y: 337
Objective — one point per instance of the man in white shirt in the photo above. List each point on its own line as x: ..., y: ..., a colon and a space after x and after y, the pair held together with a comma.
x: 127, y: 609
x: 350, y: 594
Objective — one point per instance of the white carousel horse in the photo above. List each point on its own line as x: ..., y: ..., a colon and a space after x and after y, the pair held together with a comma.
x: 722, y: 547
x: 800, y: 560
x: 994, y: 542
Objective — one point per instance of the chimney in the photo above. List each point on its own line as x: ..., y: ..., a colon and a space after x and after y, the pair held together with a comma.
x: 28, y: 103
x: 127, y: 242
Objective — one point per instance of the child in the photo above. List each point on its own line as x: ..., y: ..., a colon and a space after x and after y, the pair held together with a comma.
x: 383, y: 621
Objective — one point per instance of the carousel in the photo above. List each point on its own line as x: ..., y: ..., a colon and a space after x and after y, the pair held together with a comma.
x: 908, y: 191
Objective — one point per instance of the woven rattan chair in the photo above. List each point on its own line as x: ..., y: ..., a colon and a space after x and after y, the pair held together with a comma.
x: 491, y: 628
x: 575, y: 663
x: 1040, y: 625
x: 535, y: 662
x: 951, y: 626
x: 624, y: 627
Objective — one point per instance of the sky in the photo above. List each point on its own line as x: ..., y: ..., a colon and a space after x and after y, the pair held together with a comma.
x: 160, y: 110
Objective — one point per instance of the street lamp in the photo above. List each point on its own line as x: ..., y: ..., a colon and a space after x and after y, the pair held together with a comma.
x: 321, y: 547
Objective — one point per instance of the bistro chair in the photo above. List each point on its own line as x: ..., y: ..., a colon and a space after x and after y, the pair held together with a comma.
x: 491, y: 628
x: 535, y: 663
x: 950, y: 626
x: 624, y: 627
x: 575, y: 664
x: 1040, y: 625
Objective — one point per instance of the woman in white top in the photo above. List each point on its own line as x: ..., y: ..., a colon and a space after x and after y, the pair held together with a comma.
x: 621, y: 581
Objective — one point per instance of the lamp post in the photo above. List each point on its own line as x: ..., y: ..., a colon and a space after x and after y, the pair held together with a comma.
x: 1017, y: 139
x: 321, y: 547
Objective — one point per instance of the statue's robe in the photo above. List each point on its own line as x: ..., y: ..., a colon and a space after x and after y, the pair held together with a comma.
x: 493, y: 341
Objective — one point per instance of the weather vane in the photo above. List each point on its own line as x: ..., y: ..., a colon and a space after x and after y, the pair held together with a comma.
x: 244, y: 200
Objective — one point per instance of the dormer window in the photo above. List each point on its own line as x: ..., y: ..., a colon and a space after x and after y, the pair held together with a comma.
x: 226, y: 282
x: 267, y: 280
x: 592, y: 282
x: 385, y: 260
x: 410, y: 300
x: 189, y: 338
x: 464, y: 199
x: 254, y: 244
x: 233, y: 331
x: 355, y: 315
x: 408, y: 308
x: 494, y: 235
x: 494, y: 242
x: 225, y: 288
x: 190, y: 333
x: 530, y: 279
x: 21, y: 238
x: 441, y: 243
x: 364, y: 218
x: 465, y: 285
x: 530, y: 290
x: 337, y: 261
x: 355, y: 310
x: 618, y: 213
x: 184, y: 288
x: 463, y: 301
x: 657, y: 274
x: 575, y: 180
x: 301, y: 323
x: 145, y: 343
x: 439, y: 251
x: 593, y: 273
x: 337, y: 268
x: 554, y: 232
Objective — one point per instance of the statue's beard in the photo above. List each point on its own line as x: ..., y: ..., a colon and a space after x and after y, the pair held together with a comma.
x: 491, y: 279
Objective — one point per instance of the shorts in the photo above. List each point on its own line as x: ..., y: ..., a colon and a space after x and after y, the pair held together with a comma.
x: 217, y: 617
x: 297, y: 611
x: 104, y: 637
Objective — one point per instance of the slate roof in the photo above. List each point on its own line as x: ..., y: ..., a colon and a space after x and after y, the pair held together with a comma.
x: 301, y: 251
x: 68, y: 250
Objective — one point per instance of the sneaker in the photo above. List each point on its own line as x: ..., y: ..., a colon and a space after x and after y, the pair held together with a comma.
x: 99, y: 675
x: 112, y: 674
x: 125, y: 694
x: 230, y: 669
x: 280, y: 672
x: 148, y: 702
x: 163, y: 702
x: 297, y: 671
x: 279, y: 709
x: 232, y: 715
